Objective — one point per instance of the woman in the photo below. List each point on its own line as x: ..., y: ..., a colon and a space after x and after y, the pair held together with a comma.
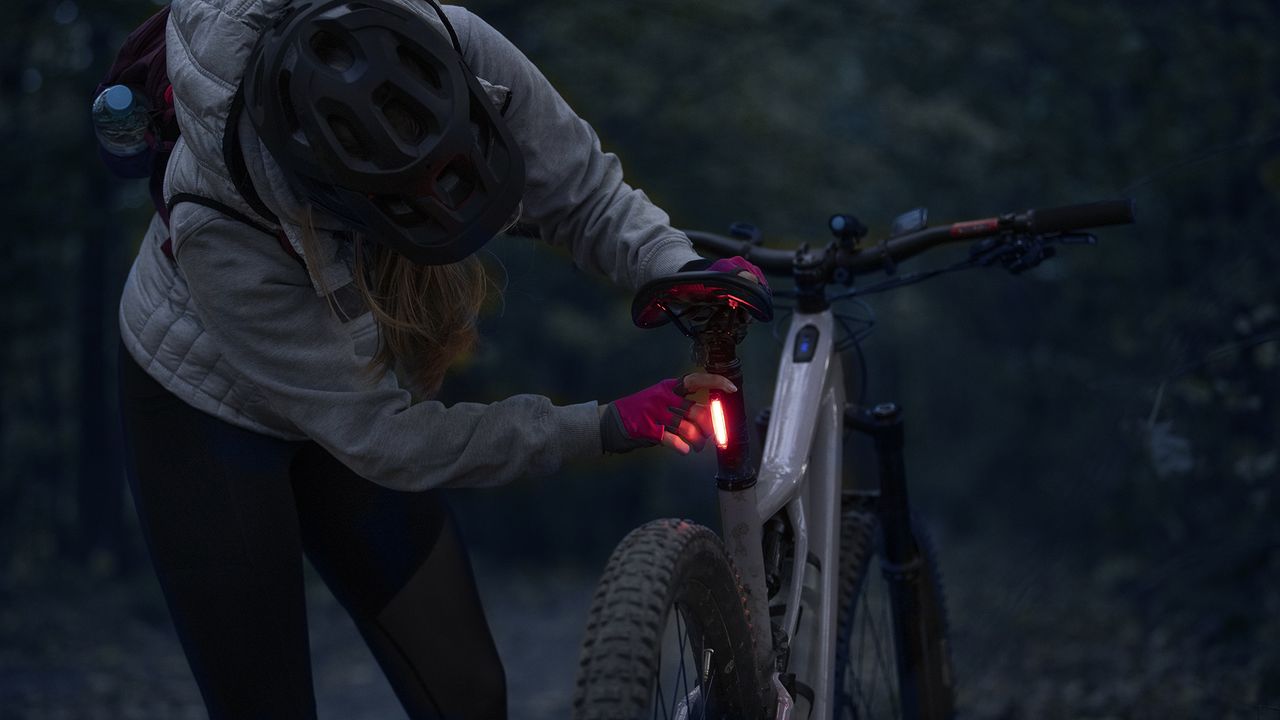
x: 274, y: 392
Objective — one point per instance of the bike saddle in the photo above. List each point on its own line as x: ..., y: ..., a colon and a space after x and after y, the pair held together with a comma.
x: 689, y: 294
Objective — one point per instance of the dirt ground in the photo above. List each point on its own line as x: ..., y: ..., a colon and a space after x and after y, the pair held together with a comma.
x: 1031, y: 640
x: 75, y: 649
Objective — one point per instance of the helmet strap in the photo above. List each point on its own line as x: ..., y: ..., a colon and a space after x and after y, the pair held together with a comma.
x: 447, y: 26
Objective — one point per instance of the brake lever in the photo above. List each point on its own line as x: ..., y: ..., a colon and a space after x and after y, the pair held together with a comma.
x: 1019, y: 253
x: 1074, y: 239
x: 989, y: 250
x: 1038, y: 248
x: 1034, y: 252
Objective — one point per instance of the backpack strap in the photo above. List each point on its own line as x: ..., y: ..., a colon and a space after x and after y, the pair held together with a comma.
x: 223, y: 208
x: 346, y: 302
x: 233, y: 157
x: 234, y: 214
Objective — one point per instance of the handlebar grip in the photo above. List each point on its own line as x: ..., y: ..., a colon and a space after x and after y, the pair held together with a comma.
x: 1079, y: 217
x: 771, y: 261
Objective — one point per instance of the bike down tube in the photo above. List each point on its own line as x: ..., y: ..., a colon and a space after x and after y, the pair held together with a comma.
x: 822, y: 497
x: 805, y: 444
x: 792, y: 421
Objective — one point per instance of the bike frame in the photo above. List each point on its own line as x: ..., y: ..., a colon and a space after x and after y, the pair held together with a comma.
x: 801, y: 466
x: 801, y: 471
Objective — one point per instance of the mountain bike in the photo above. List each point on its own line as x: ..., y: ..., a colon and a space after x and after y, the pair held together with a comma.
x: 783, y: 615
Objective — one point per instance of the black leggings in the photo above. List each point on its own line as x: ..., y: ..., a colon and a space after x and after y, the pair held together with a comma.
x: 227, y: 514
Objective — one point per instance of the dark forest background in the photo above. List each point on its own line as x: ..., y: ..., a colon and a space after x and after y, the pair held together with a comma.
x: 1095, y: 441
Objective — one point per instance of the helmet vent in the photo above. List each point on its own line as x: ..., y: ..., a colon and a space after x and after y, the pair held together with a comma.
x: 403, y: 120
x: 419, y: 67
x: 479, y: 127
x: 455, y: 184
x: 332, y: 51
x: 399, y: 208
x: 406, y: 213
x: 345, y: 133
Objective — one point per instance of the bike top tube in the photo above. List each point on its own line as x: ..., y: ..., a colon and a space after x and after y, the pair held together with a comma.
x: 886, y: 253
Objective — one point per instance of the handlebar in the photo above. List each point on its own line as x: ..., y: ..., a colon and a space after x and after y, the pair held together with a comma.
x: 1079, y: 217
x: 770, y: 260
x: 886, y: 253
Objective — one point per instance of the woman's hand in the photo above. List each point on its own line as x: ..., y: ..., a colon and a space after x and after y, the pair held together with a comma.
x: 663, y: 414
x: 743, y: 267
x: 737, y: 264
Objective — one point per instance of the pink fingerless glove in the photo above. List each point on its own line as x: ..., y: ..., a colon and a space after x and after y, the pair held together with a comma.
x: 638, y: 420
x: 736, y: 264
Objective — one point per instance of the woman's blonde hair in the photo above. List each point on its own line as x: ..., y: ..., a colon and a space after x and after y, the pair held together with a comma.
x: 426, y: 314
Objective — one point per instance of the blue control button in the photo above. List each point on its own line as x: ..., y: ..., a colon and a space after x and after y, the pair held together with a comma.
x: 806, y: 344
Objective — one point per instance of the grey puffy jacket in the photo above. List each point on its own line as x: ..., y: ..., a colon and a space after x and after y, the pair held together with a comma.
x: 237, y: 328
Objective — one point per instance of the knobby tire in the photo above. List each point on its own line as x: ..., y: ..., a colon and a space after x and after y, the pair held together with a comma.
x: 663, y: 573
x: 867, y: 683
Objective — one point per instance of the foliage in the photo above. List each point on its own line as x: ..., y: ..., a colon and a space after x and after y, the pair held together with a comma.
x: 1094, y: 398
x: 1118, y: 397
x: 1114, y: 412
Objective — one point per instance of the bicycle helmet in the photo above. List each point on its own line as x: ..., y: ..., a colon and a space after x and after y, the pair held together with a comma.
x: 376, y: 119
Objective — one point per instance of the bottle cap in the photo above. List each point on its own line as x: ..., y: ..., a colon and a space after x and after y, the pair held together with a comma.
x: 118, y: 99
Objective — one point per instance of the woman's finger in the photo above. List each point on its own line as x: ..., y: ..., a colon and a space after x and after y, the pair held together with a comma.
x: 700, y: 415
x: 690, y: 431
x: 675, y: 443
x: 693, y: 435
x: 693, y: 382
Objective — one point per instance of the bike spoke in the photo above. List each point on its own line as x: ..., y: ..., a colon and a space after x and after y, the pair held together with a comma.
x: 658, y: 696
x: 868, y: 629
x: 861, y: 709
x: 705, y: 671
x: 680, y: 637
x: 868, y: 646
x: 880, y: 652
x: 706, y: 692
x: 860, y: 612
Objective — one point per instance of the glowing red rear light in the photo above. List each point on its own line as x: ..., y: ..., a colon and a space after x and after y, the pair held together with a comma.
x: 718, y: 424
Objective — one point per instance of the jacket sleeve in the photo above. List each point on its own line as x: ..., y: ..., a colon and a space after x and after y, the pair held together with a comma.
x: 574, y: 191
x: 258, y: 305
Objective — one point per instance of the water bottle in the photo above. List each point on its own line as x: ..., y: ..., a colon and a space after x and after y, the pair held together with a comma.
x: 120, y: 119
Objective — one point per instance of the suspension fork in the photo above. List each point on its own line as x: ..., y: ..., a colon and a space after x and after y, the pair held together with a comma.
x: 903, y: 563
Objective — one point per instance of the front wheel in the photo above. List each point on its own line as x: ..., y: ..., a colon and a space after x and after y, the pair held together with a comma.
x: 872, y: 680
x: 668, y: 635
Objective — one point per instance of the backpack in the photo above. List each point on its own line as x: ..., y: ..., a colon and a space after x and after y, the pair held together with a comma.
x: 142, y: 65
